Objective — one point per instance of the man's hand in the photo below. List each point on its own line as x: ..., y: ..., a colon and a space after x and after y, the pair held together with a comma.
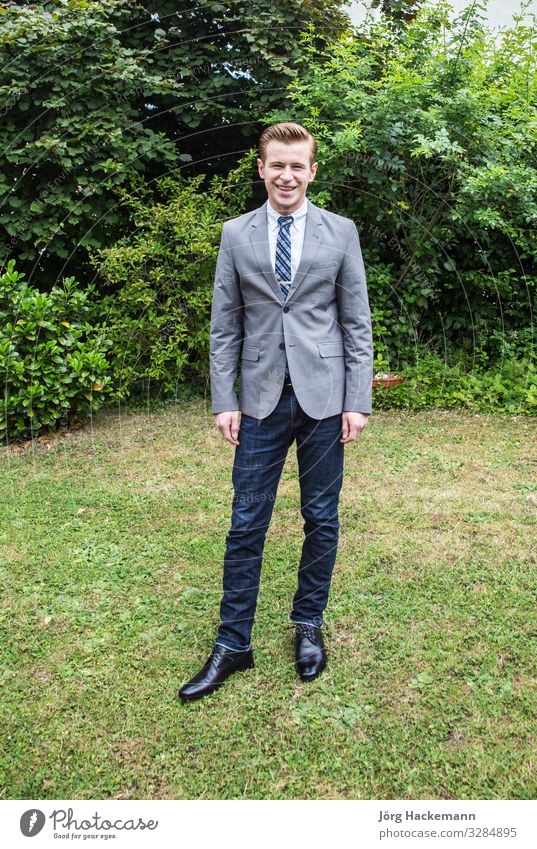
x: 228, y: 425
x: 352, y: 424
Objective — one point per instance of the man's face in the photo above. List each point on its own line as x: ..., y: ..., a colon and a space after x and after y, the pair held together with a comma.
x: 287, y: 172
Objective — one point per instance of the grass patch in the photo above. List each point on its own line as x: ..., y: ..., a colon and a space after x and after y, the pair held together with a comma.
x: 111, y: 548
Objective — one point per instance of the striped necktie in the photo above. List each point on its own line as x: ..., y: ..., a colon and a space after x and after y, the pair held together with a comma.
x: 283, y: 261
x: 283, y: 253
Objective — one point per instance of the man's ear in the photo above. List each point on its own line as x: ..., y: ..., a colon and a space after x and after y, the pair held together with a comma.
x: 314, y: 169
x: 260, y: 166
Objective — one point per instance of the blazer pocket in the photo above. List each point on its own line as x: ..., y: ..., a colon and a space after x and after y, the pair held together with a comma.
x: 331, y: 349
x: 250, y: 353
x: 325, y: 264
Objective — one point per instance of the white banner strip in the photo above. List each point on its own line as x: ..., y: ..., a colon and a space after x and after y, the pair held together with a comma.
x: 236, y: 824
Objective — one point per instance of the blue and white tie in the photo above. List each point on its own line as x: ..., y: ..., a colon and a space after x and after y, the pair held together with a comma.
x: 283, y: 261
x: 283, y: 253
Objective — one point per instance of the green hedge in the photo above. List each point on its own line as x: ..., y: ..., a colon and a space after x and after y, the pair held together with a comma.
x: 160, y: 278
x: 431, y: 380
x: 426, y: 137
x: 53, y: 362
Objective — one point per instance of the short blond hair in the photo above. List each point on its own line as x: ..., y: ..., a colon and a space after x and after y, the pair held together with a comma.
x: 286, y: 132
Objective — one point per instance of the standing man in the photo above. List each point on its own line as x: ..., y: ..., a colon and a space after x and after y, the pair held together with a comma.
x: 290, y: 300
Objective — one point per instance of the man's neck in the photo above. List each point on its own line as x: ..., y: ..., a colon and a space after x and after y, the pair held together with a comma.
x: 288, y: 212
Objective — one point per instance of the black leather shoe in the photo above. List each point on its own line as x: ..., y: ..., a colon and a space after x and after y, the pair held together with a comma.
x: 309, y: 651
x: 221, y: 664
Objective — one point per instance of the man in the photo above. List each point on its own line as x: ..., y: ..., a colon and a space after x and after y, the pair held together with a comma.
x: 290, y: 299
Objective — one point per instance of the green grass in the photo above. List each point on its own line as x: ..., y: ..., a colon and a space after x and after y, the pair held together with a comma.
x: 110, y: 564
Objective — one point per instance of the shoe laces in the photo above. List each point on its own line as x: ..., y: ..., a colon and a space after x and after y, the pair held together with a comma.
x: 309, y: 631
x: 217, y: 655
x: 220, y: 652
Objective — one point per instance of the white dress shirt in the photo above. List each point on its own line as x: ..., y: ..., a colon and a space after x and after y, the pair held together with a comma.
x: 296, y: 232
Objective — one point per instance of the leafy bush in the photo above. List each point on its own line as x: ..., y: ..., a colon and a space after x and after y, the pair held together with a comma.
x: 53, y: 363
x: 426, y: 132
x: 158, y: 316
x: 91, y: 92
x: 454, y: 382
x: 74, y: 123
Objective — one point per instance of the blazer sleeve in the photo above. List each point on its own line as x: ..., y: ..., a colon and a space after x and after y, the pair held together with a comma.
x: 355, y: 323
x: 226, y: 330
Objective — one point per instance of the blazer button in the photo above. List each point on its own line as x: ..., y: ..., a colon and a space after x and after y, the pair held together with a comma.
x: 282, y: 346
x: 286, y: 309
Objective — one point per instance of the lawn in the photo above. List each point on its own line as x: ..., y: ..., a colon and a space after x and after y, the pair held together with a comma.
x: 111, y: 549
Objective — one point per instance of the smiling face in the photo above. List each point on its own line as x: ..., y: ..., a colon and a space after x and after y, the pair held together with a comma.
x: 287, y: 171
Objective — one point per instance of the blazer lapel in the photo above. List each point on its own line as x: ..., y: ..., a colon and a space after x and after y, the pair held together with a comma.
x: 312, y: 242
x: 260, y: 247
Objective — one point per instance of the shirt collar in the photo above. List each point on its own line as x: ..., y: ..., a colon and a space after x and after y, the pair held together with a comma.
x: 273, y: 215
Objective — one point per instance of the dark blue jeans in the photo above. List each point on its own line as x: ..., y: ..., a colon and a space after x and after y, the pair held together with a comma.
x: 257, y: 467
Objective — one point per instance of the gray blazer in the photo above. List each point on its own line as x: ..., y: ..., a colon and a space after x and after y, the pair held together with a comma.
x: 323, y: 327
